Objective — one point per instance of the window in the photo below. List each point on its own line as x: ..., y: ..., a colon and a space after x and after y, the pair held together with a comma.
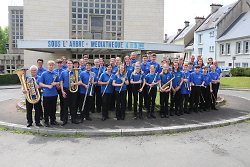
x: 200, y: 51
x: 211, y: 48
x: 238, y: 47
x: 96, y: 24
x: 244, y: 64
x: 211, y: 33
x: 200, y: 39
x: 246, y: 46
x: 228, y: 48
x: 222, y: 49
x: 237, y: 64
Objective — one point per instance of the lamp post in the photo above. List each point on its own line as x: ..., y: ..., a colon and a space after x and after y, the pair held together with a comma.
x: 234, y: 58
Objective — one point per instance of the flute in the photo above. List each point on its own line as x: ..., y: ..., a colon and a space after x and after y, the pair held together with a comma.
x: 106, y: 86
x: 123, y: 82
x: 152, y: 82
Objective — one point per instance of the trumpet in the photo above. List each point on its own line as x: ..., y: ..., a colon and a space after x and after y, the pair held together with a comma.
x: 74, y: 79
x: 32, y: 95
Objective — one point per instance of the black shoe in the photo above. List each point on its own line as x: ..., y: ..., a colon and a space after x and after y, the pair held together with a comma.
x: 41, y: 117
x: 74, y: 121
x: 162, y: 116
x: 140, y: 115
x: 166, y: 116
x: 118, y: 119
x: 135, y: 118
x: 204, y: 109
x: 171, y: 113
x: 29, y: 124
x: 107, y: 117
x: 89, y: 119
x: 103, y: 118
x: 153, y: 115
x: 214, y: 108
x: 177, y: 113
x: 39, y: 124
x: 46, y: 124
x: 81, y: 120
x: 54, y: 123
x: 149, y: 115
x: 64, y: 123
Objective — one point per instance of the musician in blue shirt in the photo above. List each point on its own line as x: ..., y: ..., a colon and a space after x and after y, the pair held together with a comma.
x: 59, y: 71
x: 98, y: 96
x: 185, y: 91
x: 40, y: 67
x: 165, y: 76
x: 190, y: 67
x: 215, y: 82
x: 48, y: 81
x: 197, y: 82
x: 105, y: 81
x: 153, y: 62
x: 129, y: 69
x: 206, y: 90
x: 137, y: 79
x: 120, y: 82
x: 69, y: 96
x: 64, y: 63
x: 152, y: 80
x: 133, y: 58
x: 145, y: 68
x: 176, y: 85
x: 87, y: 80
x: 149, y: 53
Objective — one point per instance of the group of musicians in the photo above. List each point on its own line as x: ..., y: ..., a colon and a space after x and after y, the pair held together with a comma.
x: 109, y: 86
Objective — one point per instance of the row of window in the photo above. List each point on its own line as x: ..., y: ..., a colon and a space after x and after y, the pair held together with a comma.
x: 107, y: 1
x: 96, y: 5
x: 241, y: 48
x: 94, y: 56
x: 200, y: 37
x: 243, y: 65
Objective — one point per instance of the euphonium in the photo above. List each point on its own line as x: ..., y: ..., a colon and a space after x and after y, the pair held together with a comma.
x: 165, y: 86
x: 29, y: 84
x: 74, y: 79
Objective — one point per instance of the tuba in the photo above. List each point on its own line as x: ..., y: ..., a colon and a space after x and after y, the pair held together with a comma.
x: 29, y: 84
x: 165, y: 86
x: 74, y: 79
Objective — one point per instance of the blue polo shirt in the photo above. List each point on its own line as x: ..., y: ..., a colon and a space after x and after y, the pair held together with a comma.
x: 84, y: 77
x: 133, y: 61
x: 157, y: 66
x: 40, y: 71
x: 98, y: 72
x: 145, y: 68
x: 149, y: 61
x: 197, y: 78
x: 129, y: 70
x: 47, y: 78
x: 181, y: 68
x: 59, y: 72
x: 118, y: 80
x: 177, y: 80
x: 65, y: 78
x: 104, y: 78
x: 184, y: 89
x: 192, y: 70
x: 165, y: 77
x: 136, y: 77
x: 218, y: 70
x: 114, y: 70
x: 207, y: 78
x: 214, y: 76
x: 150, y: 78
x: 64, y: 67
x: 82, y: 68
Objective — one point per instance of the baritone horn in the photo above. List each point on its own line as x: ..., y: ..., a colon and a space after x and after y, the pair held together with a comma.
x: 29, y: 84
x: 74, y: 79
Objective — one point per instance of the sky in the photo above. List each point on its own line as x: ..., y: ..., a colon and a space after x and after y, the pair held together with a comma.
x: 176, y: 12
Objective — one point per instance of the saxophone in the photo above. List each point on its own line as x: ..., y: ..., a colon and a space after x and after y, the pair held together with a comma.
x: 165, y: 86
x: 29, y: 84
x: 74, y: 79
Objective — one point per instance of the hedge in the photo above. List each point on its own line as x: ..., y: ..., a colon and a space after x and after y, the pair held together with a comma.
x: 6, y: 79
x: 239, y: 71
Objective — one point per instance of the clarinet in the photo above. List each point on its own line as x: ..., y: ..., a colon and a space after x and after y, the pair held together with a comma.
x: 106, y: 85
x: 123, y: 82
x: 152, y: 82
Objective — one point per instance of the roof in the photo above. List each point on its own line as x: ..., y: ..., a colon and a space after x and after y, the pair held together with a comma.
x: 185, y: 31
x: 238, y: 29
x: 190, y: 45
x: 170, y: 39
x: 216, y: 17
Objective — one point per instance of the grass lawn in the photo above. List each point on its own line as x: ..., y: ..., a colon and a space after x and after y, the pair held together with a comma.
x: 237, y: 82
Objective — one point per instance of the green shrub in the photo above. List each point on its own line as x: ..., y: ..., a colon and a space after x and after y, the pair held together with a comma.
x: 239, y: 71
x: 6, y: 79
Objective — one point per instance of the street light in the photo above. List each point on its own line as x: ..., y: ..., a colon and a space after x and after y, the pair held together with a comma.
x: 234, y: 58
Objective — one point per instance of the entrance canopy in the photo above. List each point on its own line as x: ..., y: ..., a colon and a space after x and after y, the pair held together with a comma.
x: 97, y: 46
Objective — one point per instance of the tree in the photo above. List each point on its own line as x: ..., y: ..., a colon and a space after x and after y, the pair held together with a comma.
x: 4, y: 39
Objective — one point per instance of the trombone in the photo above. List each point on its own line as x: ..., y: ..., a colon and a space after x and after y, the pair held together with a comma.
x: 91, y: 78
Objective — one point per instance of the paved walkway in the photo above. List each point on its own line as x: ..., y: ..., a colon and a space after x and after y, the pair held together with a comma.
x: 234, y: 111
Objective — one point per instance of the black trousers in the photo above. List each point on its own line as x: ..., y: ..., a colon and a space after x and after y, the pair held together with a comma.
x: 151, y: 99
x: 61, y: 103
x: 205, y: 91
x: 112, y: 100
x: 38, y: 110
x: 98, y: 98
x: 164, y: 97
x: 195, y: 97
x: 69, y: 102
x: 87, y: 106
x: 105, y: 104
x: 120, y: 104
x: 145, y: 95
x: 78, y: 106
x: 214, y: 95
x: 129, y: 97
x: 184, y: 103
x: 136, y: 87
x: 176, y: 100
x: 49, y: 104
